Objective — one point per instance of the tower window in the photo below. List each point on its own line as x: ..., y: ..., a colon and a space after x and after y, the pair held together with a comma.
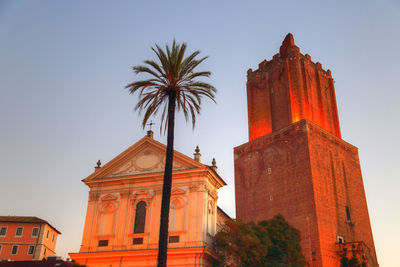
x: 140, y: 218
x: 340, y: 239
x: 348, y: 214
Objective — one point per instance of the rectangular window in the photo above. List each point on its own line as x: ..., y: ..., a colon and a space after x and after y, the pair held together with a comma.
x: 47, y: 235
x: 103, y: 243
x: 14, y: 250
x: 137, y: 241
x: 174, y: 239
x: 19, y: 231
x: 45, y: 250
x: 0, y: 249
x: 31, y: 250
x: 54, y: 235
x: 3, y: 231
x: 35, y: 232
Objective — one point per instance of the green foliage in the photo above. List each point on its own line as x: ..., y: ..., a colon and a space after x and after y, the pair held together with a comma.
x: 272, y: 243
x: 353, y: 262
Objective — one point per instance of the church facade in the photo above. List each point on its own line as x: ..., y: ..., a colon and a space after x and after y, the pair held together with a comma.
x: 123, y: 212
x: 296, y: 163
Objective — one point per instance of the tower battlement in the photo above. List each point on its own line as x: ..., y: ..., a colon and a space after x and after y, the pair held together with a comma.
x: 289, y: 88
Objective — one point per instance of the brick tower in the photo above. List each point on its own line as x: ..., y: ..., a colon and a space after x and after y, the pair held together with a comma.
x: 296, y: 163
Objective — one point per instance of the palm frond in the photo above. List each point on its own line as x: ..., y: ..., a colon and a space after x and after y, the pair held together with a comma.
x: 172, y: 71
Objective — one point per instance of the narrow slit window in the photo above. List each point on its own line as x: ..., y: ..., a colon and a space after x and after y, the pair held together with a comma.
x: 348, y: 214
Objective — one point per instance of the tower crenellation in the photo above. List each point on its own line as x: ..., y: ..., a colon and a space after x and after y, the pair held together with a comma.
x: 289, y: 88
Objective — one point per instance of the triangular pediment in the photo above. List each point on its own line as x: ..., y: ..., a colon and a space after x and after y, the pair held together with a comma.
x: 179, y: 190
x: 109, y: 197
x: 147, y: 155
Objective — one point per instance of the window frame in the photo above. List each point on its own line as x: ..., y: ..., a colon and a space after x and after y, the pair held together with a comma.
x: 16, y: 231
x: 37, y: 234
x: 136, y: 222
x: 12, y: 250
x: 103, y: 243
x: 33, y: 250
x: 5, y: 232
x: 47, y: 235
x: 137, y: 241
x: 173, y: 239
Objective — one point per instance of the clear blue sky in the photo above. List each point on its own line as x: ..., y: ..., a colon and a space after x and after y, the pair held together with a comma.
x: 64, y: 65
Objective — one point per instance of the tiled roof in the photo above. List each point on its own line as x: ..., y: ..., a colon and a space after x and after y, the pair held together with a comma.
x: 25, y: 219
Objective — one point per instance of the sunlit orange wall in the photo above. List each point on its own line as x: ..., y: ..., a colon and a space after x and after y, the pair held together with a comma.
x: 287, y: 89
x: 26, y: 240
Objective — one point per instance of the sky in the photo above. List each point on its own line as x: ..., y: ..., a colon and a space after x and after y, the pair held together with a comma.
x: 63, y: 106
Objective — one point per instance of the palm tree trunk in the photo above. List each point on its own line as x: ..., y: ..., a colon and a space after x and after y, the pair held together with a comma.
x: 166, y: 193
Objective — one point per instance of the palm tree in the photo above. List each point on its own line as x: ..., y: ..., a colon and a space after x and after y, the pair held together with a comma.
x: 173, y: 80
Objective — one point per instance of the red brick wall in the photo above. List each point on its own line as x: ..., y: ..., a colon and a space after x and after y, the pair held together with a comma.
x: 338, y: 184
x: 309, y: 176
x: 273, y: 175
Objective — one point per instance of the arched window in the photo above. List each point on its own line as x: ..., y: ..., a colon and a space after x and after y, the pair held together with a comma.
x: 107, y: 220
x: 140, y: 218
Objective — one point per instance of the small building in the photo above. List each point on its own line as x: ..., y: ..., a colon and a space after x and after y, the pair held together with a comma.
x: 123, y: 213
x: 26, y: 238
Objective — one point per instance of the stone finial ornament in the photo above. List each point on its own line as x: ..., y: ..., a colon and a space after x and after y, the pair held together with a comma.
x: 214, y: 164
x: 197, y: 155
x: 98, y: 165
x: 150, y: 134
